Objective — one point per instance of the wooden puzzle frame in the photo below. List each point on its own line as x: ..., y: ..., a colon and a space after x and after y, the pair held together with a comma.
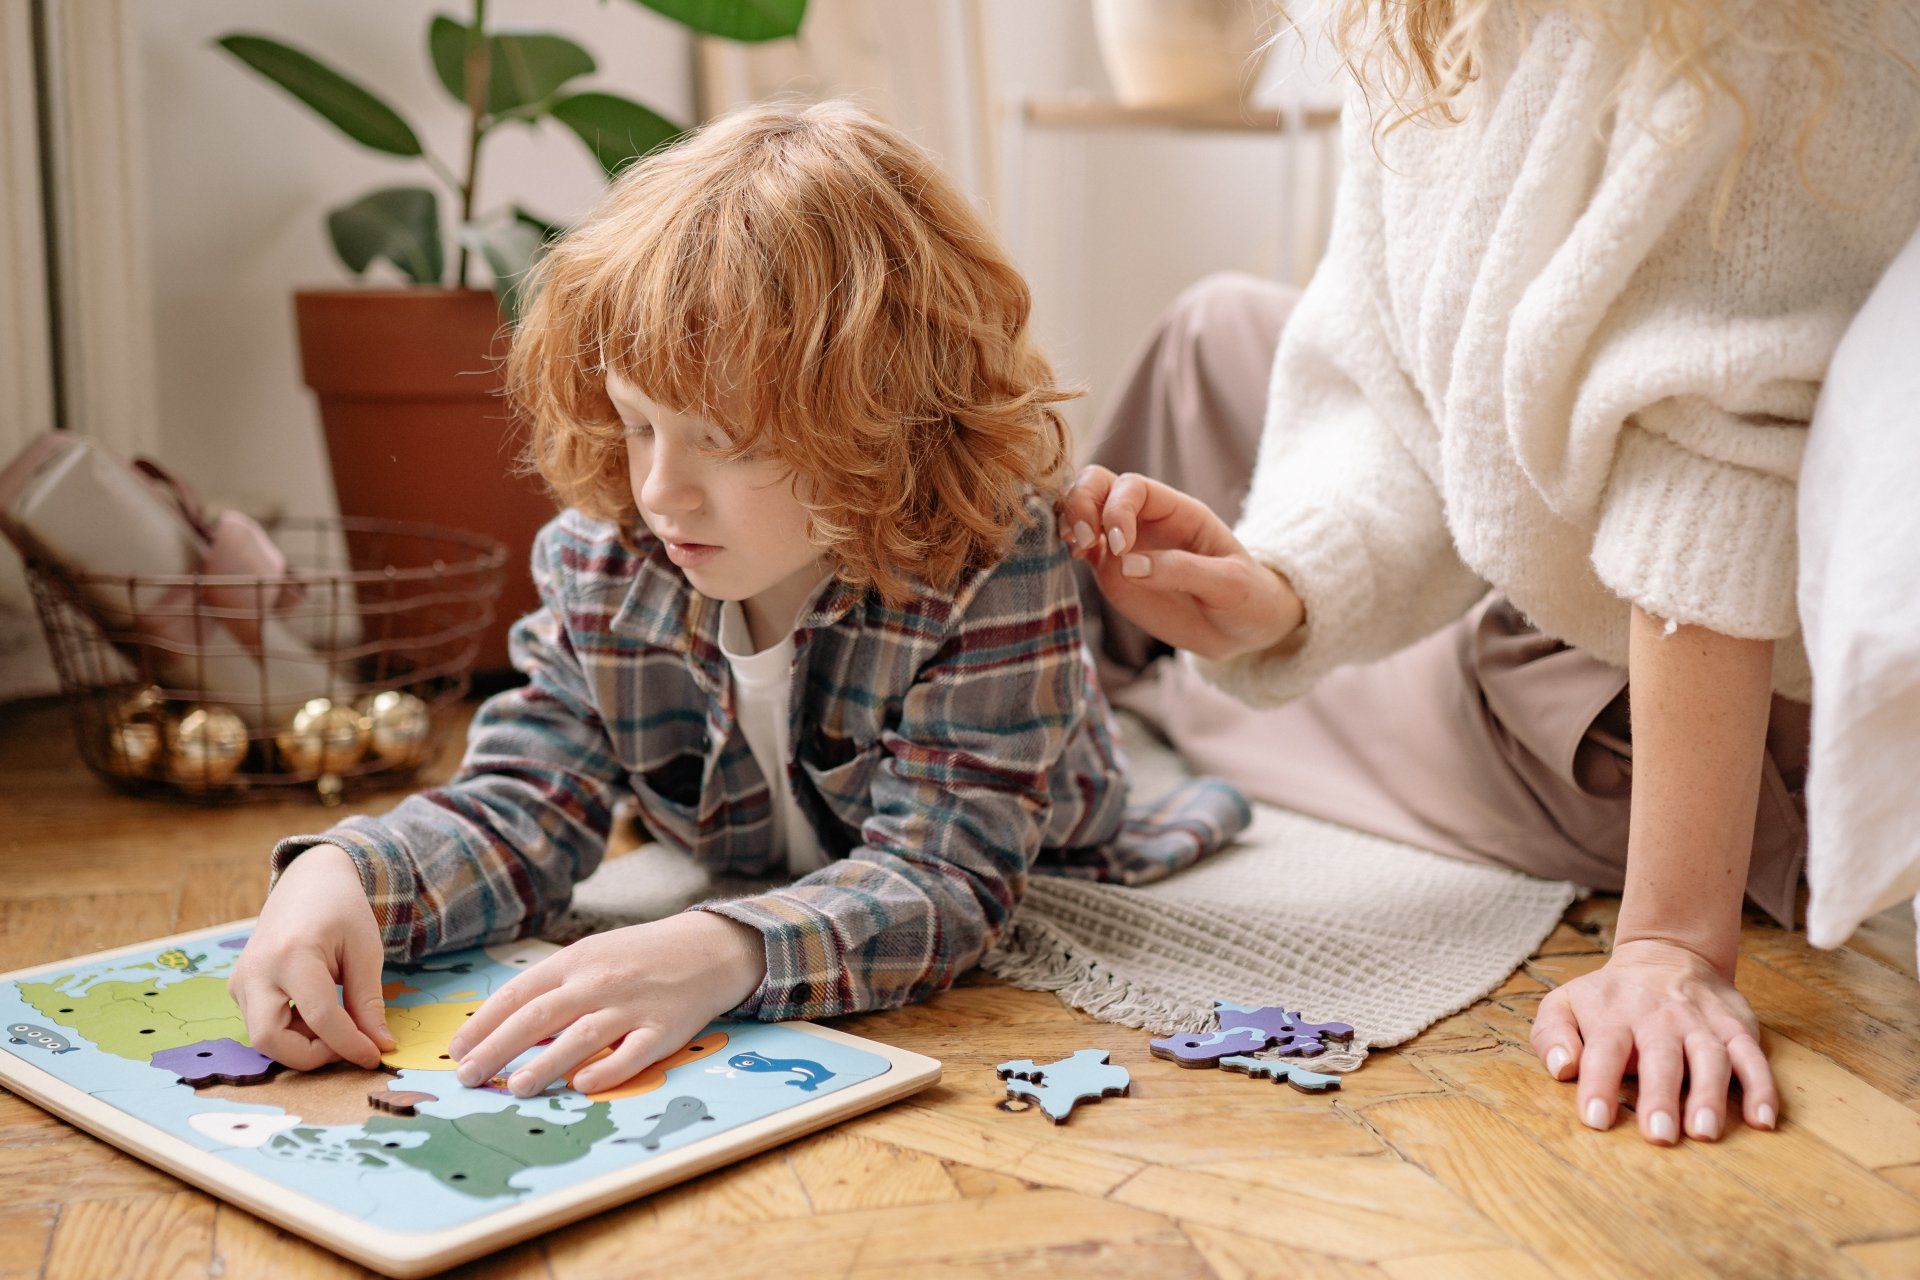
x: 423, y: 1254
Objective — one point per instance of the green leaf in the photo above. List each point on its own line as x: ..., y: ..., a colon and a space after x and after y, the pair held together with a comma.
x: 344, y: 104
x: 749, y: 20
x: 400, y: 224
x: 549, y: 231
x: 524, y: 69
x: 510, y: 245
x: 615, y: 129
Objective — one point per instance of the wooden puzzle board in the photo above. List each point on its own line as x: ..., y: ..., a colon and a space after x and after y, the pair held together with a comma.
x: 110, y: 1041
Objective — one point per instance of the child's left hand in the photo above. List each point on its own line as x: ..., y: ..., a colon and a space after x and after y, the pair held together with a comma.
x: 1664, y: 1013
x: 650, y: 987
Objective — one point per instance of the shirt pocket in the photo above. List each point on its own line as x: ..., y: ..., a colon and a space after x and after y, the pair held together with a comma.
x: 842, y: 772
x: 669, y: 796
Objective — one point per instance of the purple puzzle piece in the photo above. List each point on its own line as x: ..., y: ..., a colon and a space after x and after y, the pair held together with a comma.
x: 1290, y: 1033
x: 1204, y: 1048
x: 205, y: 1061
x: 1309, y: 1039
x: 1271, y: 1020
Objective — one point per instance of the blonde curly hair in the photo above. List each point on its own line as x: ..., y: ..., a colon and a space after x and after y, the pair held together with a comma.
x: 808, y: 280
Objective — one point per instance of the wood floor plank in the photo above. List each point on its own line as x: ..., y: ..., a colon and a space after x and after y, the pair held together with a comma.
x: 153, y: 1237
x: 243, y: 1245
x: 1687, y: 1192
x: 24, y: 1235
x: 1354, y: 1219
x: 1887, y: 1259
x: 1031, y: 1156
x: 1234, y: 1256
x: 1889, y: 938
x: 956, y: 1233
x: 842, y: 1171
x: 1490, y: 1264
x: 1841, y: 975
x: 1531, y: 1195
x: 1840, y: 1108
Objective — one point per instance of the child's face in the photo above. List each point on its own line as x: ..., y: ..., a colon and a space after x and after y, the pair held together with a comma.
x: 735, y: 528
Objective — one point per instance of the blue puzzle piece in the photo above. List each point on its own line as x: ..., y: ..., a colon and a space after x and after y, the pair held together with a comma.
x: 1060, y: 1086
x: 1281, y: 1072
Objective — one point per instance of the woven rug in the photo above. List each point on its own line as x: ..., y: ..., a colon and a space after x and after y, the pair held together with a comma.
x: 1341, y: 925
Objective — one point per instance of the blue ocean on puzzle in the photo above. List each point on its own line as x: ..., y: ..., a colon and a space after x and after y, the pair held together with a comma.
x: 463, y: 1154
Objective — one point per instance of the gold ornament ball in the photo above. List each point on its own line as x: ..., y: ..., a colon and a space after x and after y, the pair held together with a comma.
x: 323, y: 736
x: 133, y: 733
x: 398, y: 725
x: 205, y: 746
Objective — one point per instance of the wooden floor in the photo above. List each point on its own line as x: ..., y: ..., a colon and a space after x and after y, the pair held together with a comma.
x: 1452, y: 1156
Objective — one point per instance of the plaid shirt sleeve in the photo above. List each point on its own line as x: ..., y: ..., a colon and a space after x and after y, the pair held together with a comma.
x: 495, y: 853
x: 960, y: 801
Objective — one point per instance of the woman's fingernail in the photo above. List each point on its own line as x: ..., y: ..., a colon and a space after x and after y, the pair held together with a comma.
x: 1135, y: 566
x: 521, y: 1083
x: 1556, y: 1060
x: 1765, y: 1115
x: 1114, y: 541
x: 1082, y: 534
x: 1704, y: 1125
x: 1596, y: 1114
x: 467, y: 1075
x: 1660, y: 1125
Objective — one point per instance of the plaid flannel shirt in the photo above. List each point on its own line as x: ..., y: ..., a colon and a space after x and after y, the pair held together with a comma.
x: 943, y: 750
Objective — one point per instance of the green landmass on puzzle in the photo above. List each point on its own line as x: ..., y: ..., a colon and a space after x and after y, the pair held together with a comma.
x: 135, y: 1020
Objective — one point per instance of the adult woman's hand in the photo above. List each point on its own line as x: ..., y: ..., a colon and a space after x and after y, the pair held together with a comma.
x: 1665, y: 1013
x: 1172, y: 566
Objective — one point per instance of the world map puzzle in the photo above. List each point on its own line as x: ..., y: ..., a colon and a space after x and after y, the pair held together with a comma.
x: 409, y: 1149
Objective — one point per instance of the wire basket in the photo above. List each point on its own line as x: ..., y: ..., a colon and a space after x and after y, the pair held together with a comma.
x: 340, y: 676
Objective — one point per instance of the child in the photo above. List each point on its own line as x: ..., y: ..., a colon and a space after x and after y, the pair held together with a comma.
x: 1515, y: 577
x: 806, y: 607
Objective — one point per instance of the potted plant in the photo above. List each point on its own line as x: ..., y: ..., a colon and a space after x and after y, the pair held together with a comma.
x: 407, y: 378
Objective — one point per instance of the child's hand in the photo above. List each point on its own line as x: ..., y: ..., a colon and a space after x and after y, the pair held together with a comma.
x: 1171, y: 565
x: 657, y: 985
x: 1662, y: 1009
x: 315, y: 930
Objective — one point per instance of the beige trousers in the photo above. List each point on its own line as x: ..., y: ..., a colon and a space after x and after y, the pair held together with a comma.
x: 1488, y: 740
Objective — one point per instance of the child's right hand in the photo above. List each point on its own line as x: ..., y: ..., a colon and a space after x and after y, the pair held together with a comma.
x: 1167, y: 562
x: 315, y: 930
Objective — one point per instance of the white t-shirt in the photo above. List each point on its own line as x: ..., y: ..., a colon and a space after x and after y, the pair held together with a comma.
x: 761, y: 682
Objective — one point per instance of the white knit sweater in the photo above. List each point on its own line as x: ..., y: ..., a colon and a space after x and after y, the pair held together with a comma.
x: 1523, y: 364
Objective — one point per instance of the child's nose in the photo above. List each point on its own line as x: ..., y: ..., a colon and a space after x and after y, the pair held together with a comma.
x: 669, y: 489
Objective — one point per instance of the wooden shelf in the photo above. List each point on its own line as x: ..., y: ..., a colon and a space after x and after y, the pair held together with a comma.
x: 1226, y: 117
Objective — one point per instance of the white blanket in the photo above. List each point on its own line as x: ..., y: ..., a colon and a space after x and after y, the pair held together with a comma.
x: 1859, y: 527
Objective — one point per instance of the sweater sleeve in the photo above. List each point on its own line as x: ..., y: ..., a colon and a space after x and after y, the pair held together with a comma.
x: 1755, y: 239
x: 1343, y: 502
x: 496, y: 852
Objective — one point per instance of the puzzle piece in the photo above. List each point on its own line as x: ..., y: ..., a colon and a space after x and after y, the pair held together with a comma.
x: 1204, y: 1048
x: 1282, y: 1072
x: 224, y: 1060
x: 679, y: 1113
x: 135, y: 1020
x: 239, y: 1128
x: 1061, y: 1086
x: 398, y: 1102
x: 808, y: 1074
x: 656, y: 1075
x: 1289, y: 1033
x: 421, y: 1033
x: 477, y: 1154
x: 1310, y: 1039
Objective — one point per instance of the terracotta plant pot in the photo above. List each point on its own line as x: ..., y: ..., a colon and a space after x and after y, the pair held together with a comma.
x: 1175, y: 53
x: 409, y: 388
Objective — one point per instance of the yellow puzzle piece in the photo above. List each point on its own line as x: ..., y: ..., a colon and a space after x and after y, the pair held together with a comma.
x: 422, y: 1032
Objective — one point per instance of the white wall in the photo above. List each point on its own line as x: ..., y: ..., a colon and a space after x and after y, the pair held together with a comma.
x: 1115, y: 224
x: 242, y: 176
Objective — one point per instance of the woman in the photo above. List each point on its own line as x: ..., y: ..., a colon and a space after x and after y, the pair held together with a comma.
x: 1530, y: 442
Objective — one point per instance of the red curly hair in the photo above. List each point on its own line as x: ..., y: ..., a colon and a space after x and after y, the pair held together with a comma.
x: 805, y: 278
